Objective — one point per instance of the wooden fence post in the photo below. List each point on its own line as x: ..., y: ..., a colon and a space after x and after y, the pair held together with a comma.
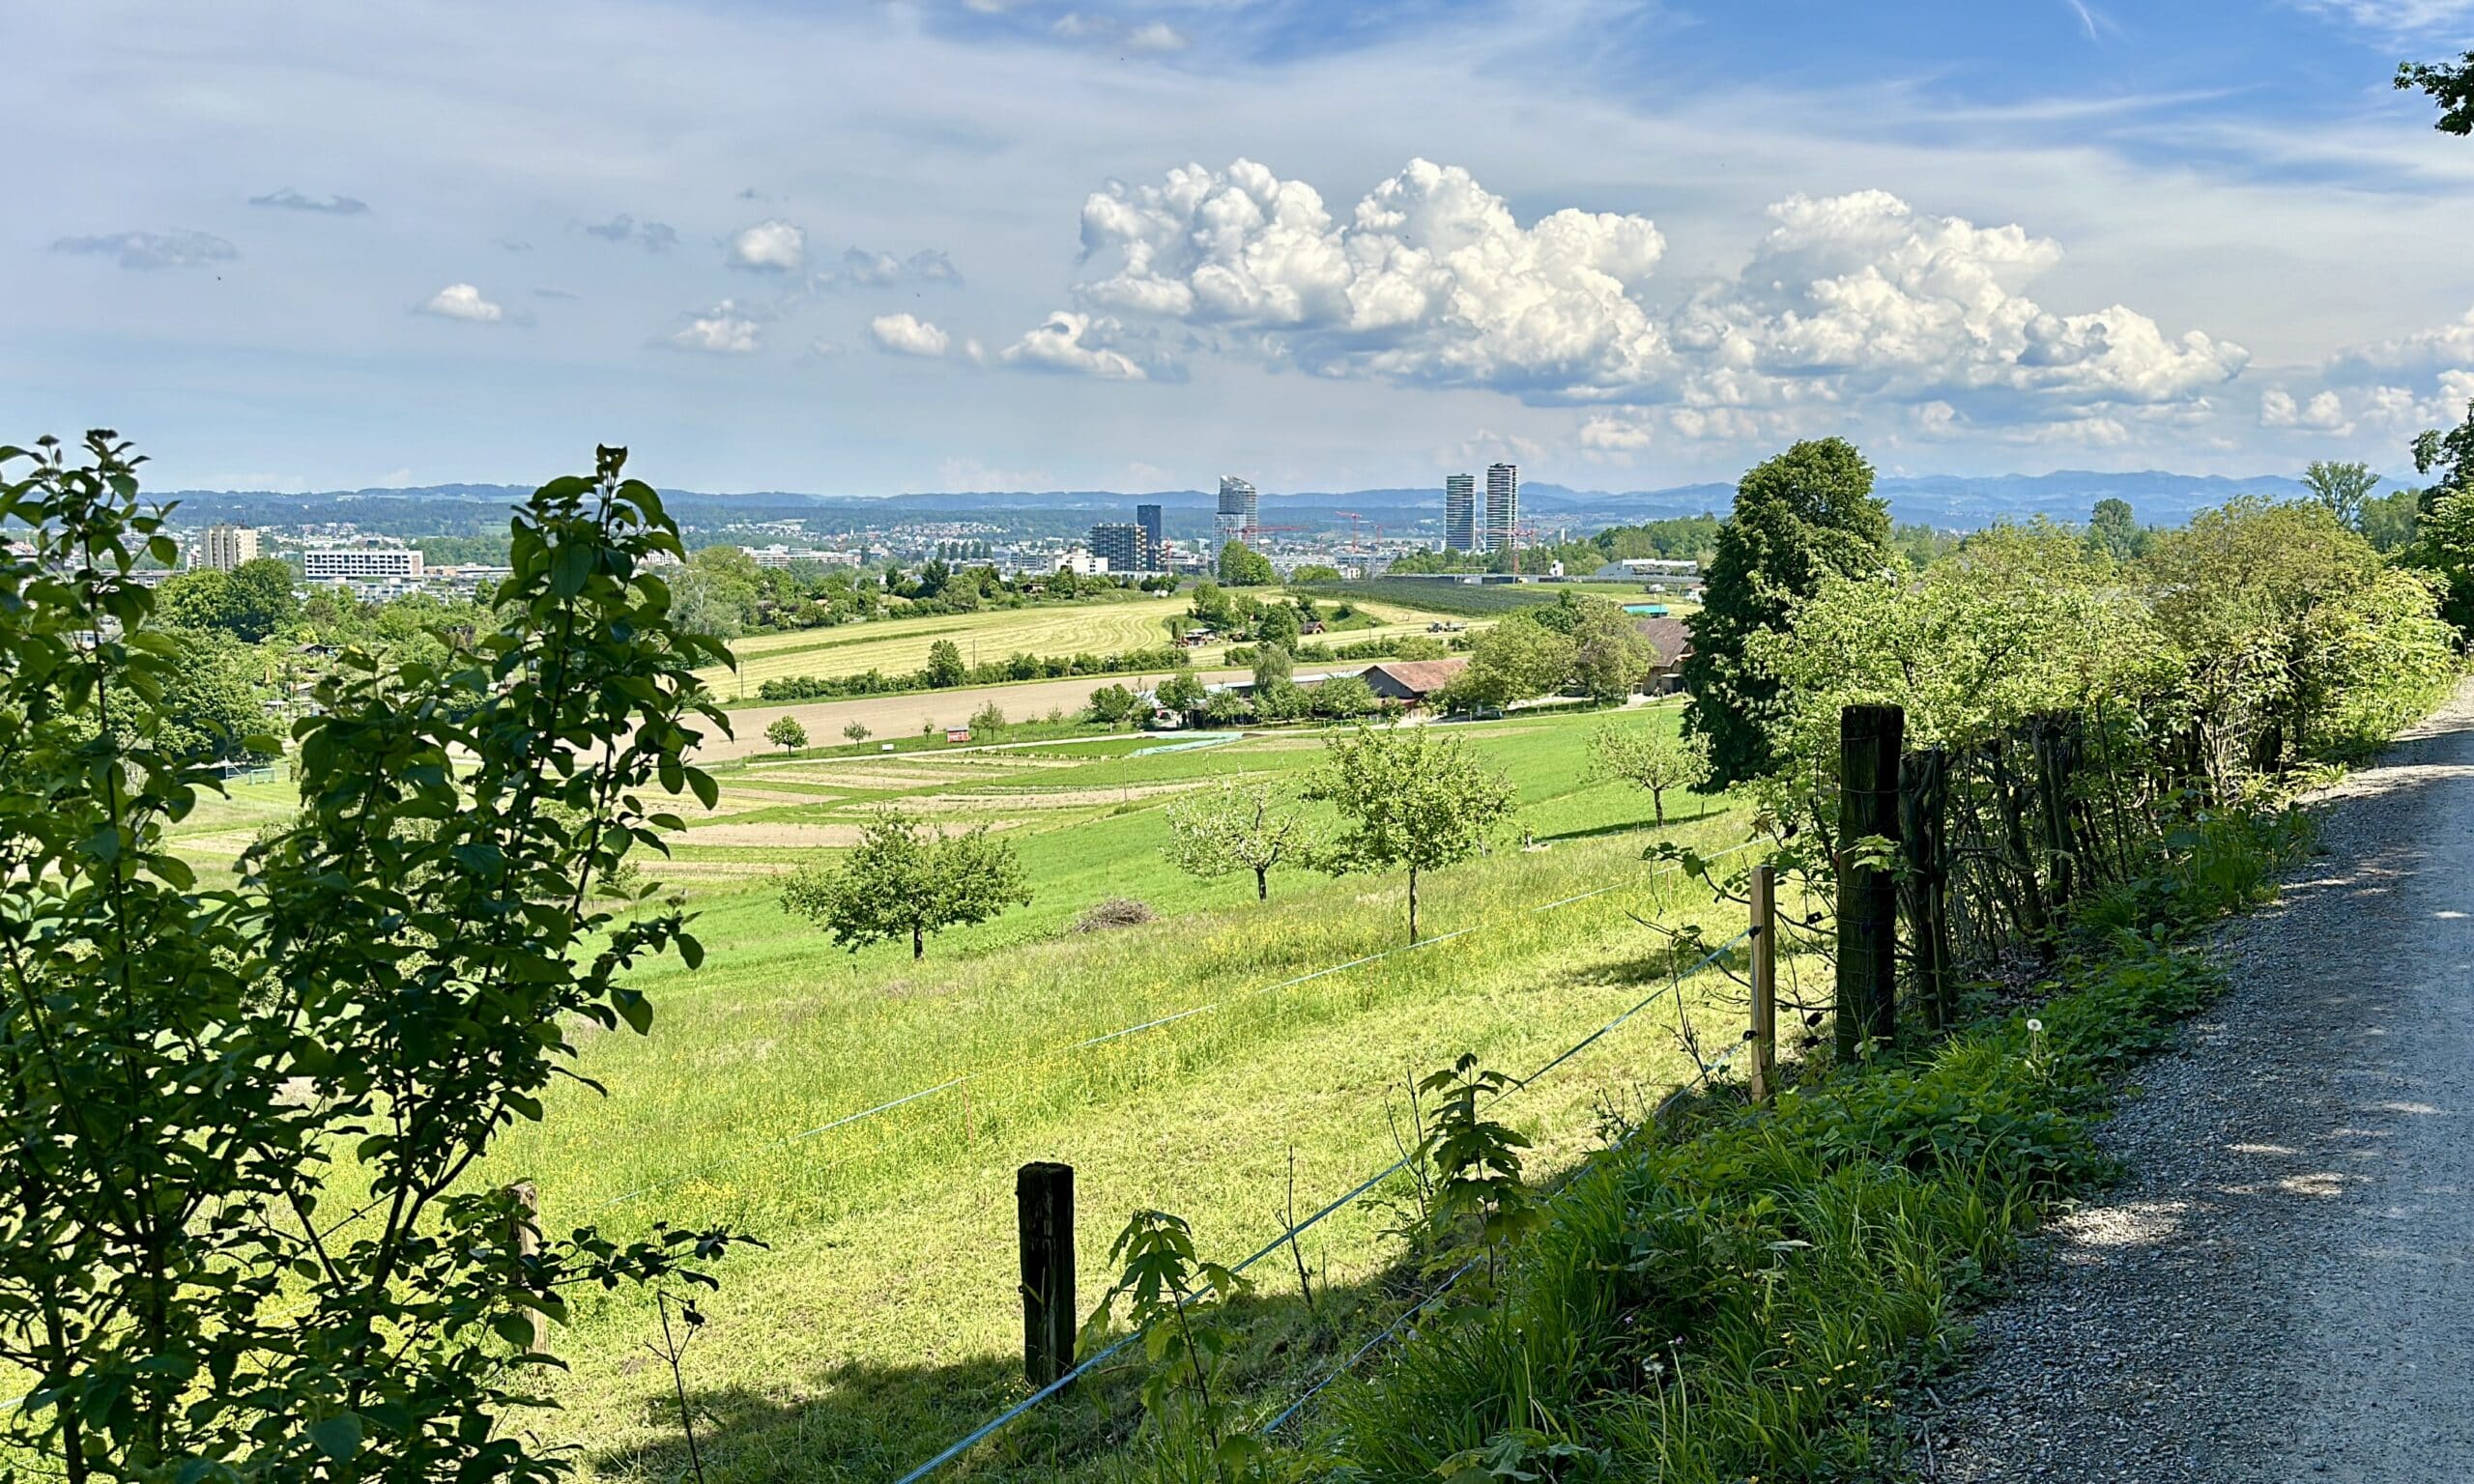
x: 1923, y: 803
x: 1043, y: 1208
x: 1765, y: 982
x: 1867, y: 998
x: 528, y: 1243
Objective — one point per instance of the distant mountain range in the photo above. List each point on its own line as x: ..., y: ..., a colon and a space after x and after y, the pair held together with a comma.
x: 2158, y: 497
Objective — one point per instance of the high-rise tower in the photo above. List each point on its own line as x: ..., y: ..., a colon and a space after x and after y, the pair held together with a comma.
x: 1460, y: 512
x: 1503, y: 505
x: 1155, y: 534
x: 1237, y: 517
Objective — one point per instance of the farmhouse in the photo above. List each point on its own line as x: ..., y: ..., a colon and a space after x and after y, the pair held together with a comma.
x: 1671, y: 637
x: 1412, y: 680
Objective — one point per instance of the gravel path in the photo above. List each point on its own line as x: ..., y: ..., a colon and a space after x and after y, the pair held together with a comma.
x: 2281, y: 1289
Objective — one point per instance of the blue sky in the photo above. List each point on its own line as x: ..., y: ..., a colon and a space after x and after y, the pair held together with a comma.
x: 871, y: 246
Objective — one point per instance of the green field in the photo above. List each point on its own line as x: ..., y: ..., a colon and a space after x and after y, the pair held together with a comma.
x: 885, y: 1320
x: 900, y: 646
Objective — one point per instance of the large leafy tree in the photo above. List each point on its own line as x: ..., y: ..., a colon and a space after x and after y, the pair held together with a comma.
x: 1409, y: 798
x: 2341, y: 487
x: 1242, y: 566
x: 1611, y: 656
x: 1807, y: 515
x: 266, y: 600
x: 382, y: 987
x: 2113, y: 527
x: 2449, y: 84
x: 905, y: 881
x: 1517, y: 658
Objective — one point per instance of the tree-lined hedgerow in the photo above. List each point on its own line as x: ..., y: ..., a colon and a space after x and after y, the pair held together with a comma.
x: 947, y: 671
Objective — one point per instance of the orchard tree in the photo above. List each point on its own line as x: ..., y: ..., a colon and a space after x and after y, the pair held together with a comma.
x: 1239, y: 825
x: 1649, y: 757
x: 856, y: 732
x: 1410, y: 797
x: 1807, y: 515
x: 2342, y: 488
x: 204, y: 1080
x: 988, y: 721
x: 904, y: 879
x: 787, y: 733
x: 945, y: 669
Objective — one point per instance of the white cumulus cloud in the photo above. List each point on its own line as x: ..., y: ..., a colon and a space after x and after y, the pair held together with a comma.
x: 463, y: 302
x: 1076, y: 343
x: 1863, y: 295
x: 1606, y: 433
x: 770, y: 246
x: 724, y: 329
x: 1430, y: 278
x: 907, y: 334
x: 2324, y: 411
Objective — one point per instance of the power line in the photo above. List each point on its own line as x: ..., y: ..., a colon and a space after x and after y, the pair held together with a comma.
x: 1673, y: 986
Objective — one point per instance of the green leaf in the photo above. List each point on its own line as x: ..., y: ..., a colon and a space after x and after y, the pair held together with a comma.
x: 338, y: 1436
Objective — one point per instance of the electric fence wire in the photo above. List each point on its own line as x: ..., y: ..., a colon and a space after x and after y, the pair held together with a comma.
x: 1700, y: 1080
x: 1089, y: 1042
x: 985, y: 1429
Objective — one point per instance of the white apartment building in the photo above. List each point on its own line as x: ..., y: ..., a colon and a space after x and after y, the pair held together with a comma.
x: 361, y: 565
x: 225, y: 547
x: 1503, y: 505
x: 1081, y: 564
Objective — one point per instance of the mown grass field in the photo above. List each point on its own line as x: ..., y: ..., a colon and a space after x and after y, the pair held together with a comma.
x: 900, y: 646
x: 885, y: 1321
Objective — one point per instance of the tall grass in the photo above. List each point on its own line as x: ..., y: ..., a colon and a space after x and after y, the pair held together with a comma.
x: 1748, y: 1301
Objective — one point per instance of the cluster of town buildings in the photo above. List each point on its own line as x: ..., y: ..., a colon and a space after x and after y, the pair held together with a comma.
x: 1476, y: 520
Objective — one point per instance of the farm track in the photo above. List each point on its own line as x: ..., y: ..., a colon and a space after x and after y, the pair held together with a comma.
x: 2280, y: 1290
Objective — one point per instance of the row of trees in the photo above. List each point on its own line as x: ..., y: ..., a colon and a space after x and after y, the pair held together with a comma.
x: 2243, y: 614
x: 946, y: 670
x: 723, y: 592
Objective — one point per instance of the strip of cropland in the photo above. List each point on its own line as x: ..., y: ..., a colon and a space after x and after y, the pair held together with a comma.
x: 900, y: 646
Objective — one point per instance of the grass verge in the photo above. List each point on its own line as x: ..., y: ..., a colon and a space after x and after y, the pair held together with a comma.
x: 1746, y: 1300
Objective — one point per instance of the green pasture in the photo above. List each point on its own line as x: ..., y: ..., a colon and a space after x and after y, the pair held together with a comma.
x: 883, y: 1320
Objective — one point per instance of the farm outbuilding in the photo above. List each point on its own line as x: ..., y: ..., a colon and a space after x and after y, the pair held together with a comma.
x: 1412, y: 682
x: 1671, y: 637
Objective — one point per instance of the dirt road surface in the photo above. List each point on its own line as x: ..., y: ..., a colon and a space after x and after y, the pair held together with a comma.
x: 2284, y: 1288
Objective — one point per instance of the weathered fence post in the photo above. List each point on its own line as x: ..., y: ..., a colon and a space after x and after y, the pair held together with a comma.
x: 527, y: 1232
x: 1867, y: 1002
x: 1765, y: 980
x: 1923, y: 804
x: 1043, y: 1208
x: 2054, y: 736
